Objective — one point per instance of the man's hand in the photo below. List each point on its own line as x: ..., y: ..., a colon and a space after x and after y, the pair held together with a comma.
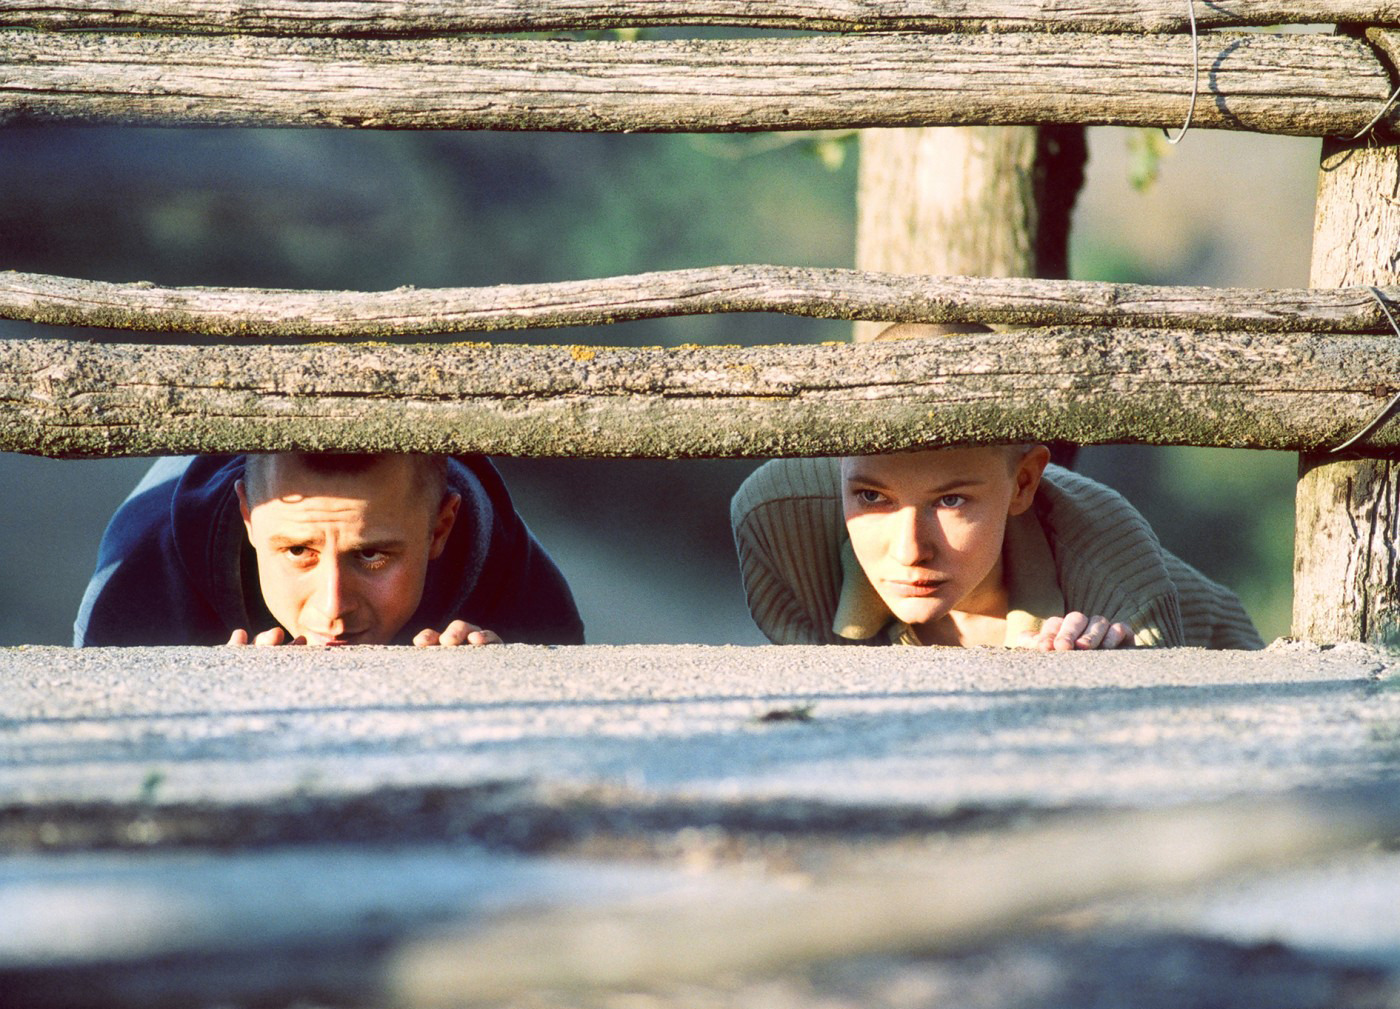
x: 1077, y: 632
x: 275, y: 636
x: 459, y: 632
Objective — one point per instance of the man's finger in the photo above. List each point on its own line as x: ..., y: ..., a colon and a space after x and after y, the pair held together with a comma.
x: 459, y: 632
x: 270, y: 637
x: 238, y: 637
x: 456, y: 633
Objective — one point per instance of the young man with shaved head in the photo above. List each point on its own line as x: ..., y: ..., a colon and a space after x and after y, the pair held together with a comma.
x: 323, y: 550
x: 965, y: 546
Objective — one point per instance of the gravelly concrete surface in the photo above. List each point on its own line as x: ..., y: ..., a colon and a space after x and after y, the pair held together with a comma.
x: 943, y: 727
x: 165, y: 813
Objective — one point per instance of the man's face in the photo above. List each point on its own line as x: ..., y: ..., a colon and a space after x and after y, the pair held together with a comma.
x: 342, y: 557
x: 927, y: 527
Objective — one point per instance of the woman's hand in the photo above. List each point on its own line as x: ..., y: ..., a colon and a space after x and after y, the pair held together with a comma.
x: 1077, y: 632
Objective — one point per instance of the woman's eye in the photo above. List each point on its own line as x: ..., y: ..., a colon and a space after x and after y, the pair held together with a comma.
x: 869, y: 497
x: 951, y: 501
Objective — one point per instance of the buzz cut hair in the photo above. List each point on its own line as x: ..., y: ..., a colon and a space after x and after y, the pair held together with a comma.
x: 1015, y: 453
x: 430, y: 471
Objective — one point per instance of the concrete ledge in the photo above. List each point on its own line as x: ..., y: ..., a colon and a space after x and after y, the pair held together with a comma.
x: 936, y: 728
x: 246, y: 826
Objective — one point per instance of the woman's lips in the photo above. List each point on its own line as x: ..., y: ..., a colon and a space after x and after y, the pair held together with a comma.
x: 915, y: 589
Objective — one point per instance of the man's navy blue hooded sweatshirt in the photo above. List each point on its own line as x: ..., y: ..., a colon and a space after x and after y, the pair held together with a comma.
x: 175, y: 566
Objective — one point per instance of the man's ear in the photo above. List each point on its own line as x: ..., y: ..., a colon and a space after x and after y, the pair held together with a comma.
x: 442, y: 525
x: 243, y: 508
x: 1027, y: 478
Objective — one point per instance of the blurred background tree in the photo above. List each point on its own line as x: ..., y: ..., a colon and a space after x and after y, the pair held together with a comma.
x: 645, y: 544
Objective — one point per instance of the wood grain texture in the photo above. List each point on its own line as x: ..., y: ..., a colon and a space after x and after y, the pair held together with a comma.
x: 1308, y: 85
x: 815, y: 293
x: 1281, y: 391
x: 1346, y: 584
x: 383, y: 17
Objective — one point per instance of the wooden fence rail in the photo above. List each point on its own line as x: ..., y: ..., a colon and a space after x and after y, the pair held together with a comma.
x: 814, y: 293
x: 368, y: 17
x: 1280, y: 391
x: 1308, y: 85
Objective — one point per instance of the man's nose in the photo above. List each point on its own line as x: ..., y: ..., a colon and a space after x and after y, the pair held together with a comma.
x: 912, y: 541
x: 332, y: 597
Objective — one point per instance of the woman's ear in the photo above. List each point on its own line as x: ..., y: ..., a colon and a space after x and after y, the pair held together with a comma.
x: 1027, y: 478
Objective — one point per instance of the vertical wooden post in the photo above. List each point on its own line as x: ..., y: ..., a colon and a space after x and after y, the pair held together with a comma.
x: 990, y: 201
x: 1348, y: 530
x: 981, y: 201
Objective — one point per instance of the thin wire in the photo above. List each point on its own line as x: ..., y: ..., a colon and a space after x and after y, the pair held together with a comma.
x: 1195, y: 76
x: 1379, y: 115
x: 1384, y: 415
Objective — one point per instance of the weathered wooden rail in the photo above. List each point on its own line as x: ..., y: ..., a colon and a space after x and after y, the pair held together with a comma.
x: 1308, y: 85
x: 368, y: 17
x: 810, y: 292
x: 1282, y: 391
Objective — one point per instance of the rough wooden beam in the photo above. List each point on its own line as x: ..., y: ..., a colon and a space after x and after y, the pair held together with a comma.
x: 814, y: 293
x: 1291, y: 84
x: 1281, y: 391
x: 376, y: 17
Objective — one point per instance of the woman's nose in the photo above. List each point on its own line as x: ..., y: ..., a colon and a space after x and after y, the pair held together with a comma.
x: 911, y: 544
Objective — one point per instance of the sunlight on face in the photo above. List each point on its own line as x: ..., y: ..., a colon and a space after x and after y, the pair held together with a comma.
x: 927, y: 527
x: 342, y: 557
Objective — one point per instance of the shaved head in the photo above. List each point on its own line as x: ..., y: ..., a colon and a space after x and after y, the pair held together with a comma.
x: 429, y: 471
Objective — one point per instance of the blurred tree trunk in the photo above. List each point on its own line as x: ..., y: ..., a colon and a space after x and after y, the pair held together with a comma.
x: 1348, y: 517
x: 992, y: 201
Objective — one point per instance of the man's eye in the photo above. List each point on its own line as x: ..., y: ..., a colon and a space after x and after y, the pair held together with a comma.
x: 951, y: 501
x: 372, y: 558
x: 869, y: 497
x: 296, y: 552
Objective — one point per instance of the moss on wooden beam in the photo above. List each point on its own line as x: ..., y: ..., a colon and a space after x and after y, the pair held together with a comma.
x: 1164, y: 387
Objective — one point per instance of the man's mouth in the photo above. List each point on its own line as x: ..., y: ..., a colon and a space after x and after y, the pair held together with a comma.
x: 333, y: 640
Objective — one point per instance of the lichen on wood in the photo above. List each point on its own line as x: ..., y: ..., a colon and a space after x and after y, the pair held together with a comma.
x: 1084, y: 385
